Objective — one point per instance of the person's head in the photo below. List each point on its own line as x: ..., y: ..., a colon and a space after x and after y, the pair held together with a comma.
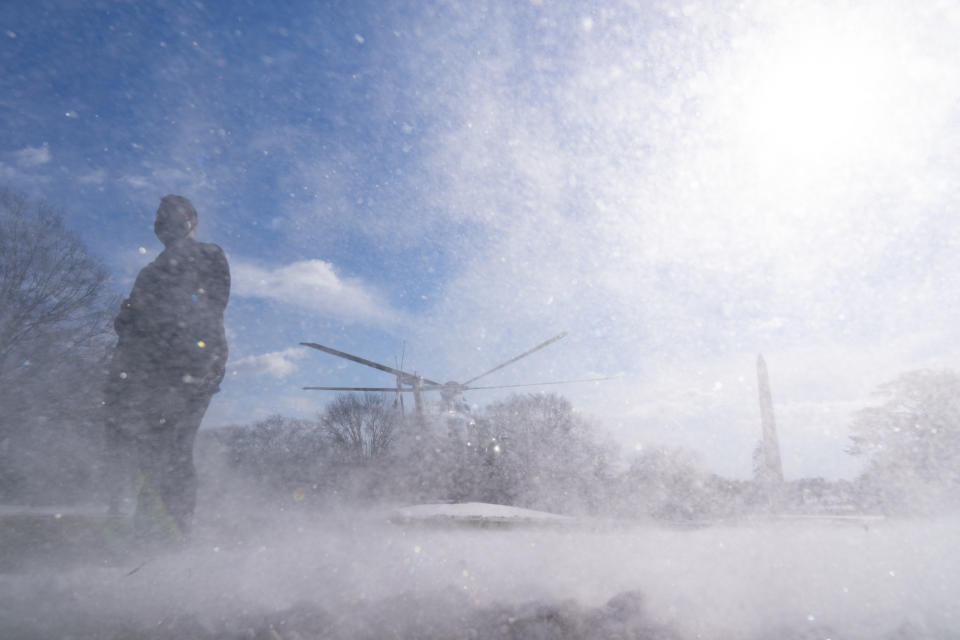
x: 176, y: 219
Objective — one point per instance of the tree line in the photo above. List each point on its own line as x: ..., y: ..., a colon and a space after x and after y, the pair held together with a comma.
x: 536, y: 451
x: 533, y: 451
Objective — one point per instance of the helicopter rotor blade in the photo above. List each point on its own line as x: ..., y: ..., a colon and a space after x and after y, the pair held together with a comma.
x: 408, y: 378
x: 384, y: 389
x: 534, y: 384
x: 512, y: 360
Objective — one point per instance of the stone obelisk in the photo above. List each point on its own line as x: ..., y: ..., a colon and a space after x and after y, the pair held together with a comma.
x: 769, y: 469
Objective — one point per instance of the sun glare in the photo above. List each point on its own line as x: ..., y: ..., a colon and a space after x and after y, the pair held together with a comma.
x: 815, y: 98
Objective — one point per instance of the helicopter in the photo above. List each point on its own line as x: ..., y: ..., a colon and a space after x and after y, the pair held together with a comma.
x: 451, y: 392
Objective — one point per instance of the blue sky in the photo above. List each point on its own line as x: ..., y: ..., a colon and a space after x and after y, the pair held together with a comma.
x: 679, y: 186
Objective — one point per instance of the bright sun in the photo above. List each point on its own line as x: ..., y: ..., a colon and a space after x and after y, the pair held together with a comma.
x: 814, y: 97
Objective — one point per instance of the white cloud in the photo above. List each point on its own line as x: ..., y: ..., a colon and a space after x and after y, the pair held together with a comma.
x: 14, y: 176
x: 32, y: 156
x: 174, y: 176
x: 137, y: 182
x: 8, y: 173
x: 313, y: 285
x: 277, y: 363
x: 97, y: 176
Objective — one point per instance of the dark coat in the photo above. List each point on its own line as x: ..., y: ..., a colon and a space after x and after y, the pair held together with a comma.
x: 170, y: 329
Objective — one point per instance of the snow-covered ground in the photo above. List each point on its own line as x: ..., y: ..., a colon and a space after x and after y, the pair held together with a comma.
x: 756, y: 579
x: 475, y: 514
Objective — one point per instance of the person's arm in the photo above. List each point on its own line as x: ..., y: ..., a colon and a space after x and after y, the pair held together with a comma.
x: 123, y: 323
x: 150, y: 299
x: 216, y: 284
x: 218, y: 278
x: 133, y: 310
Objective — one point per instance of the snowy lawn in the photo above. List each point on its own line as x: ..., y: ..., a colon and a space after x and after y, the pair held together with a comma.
x: 358, y: 575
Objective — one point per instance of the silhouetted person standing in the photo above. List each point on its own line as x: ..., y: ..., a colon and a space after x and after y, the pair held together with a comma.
x: 169, y: 361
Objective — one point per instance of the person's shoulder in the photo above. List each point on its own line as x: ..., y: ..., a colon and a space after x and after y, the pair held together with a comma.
x: 210, y: 250
x: 155, y: 265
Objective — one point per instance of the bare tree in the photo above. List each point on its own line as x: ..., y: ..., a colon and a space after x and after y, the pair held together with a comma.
x: 54, y: 313
x: 667, y: 482
x: 51, y: 288
x: 277, y: 450
x: 360, y: 426
x: 547, y: 456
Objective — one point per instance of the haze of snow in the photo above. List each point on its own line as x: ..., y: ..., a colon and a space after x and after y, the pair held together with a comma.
x: 746, y: 579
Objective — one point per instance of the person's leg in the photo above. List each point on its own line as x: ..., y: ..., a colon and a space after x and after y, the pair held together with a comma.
x: 118, y: 477
x: 122, y: 418
x: 152, y: 520
x: 181, y: 491
x: 156, y: 466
